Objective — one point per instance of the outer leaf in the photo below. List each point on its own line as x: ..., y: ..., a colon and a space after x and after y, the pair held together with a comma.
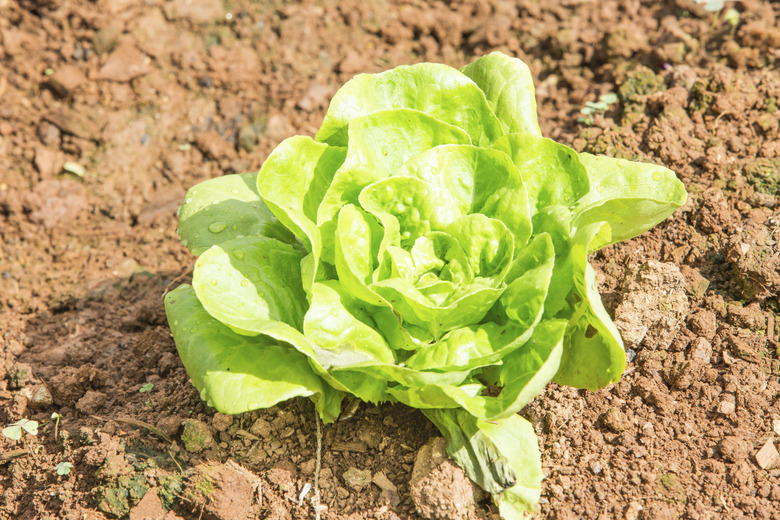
x: 631, y: 196
x: 220, y: 209
x: 236, y: 373
x: 509, y: 88
x: 437, y: 90
x: 249, y: 282
x: 501, y: 456
x: 553, y: 173
x: 293, y: 181
x: 593, y: 354
x: 476, y: 180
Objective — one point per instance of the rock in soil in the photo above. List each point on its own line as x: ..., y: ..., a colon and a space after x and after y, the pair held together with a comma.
x: 224, y: 491
x: 440, y: 489
x: 768, y: 457
x: 196, y: 436
x: 150, y: 508
x: 654, y: 305
x: 357, y: 479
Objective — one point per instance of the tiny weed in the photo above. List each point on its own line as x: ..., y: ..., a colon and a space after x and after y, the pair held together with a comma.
x: 14, y: 431
x: 602, y: 105
x: 63, y: 468
x: 146, y: 388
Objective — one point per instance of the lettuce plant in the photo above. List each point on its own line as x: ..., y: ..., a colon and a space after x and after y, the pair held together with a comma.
x: 428, y: 247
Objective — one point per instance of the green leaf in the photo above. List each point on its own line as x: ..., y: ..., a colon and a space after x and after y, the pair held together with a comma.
x: 358, y: 238
x: 525, y: 371
x: 593, y: 355
x: 475, y: 180
x: 249, y: 282
x: 63, y: 468
x: 469, y: 347
x: 236, y: 373
x: 553, y: 173
x: 224, y: 208
x: 630, y: 196
x: 13, y: 432
x: 523, y: 300
x: 341, y: 330
x: 294, y: 180
x: 416, y: 205
x: 379, y: 143
x: 488, y: 245
x: 502, y: 457
x: 438, y: 90
x: 509, y: 88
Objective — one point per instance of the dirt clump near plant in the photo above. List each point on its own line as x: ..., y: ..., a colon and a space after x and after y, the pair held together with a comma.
x: 110, y: 111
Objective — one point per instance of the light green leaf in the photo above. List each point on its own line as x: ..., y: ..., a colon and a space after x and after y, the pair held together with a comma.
x: 488, y: 244
x: 438, y: 90
x: 475, y: 180
x: 247, y: 283
x: 593, y: 355
x: 379, y: 143
x: 469, y: 347
x: 236, y: 373
x: 294, y: 180
x: 631, y: 196
x: 358, y: 238
x: 525, y: 371
x: 436, y: 315
x: 553, y: 173
x: 415, y: 204
x: 224, y: 208
x: 13, y: 432
x: 502, y: 456
x: 341, y: 331
x: 509, y: 89
x: 523, y: 300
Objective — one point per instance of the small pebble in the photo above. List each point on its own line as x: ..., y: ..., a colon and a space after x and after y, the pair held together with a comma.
x: 768, y: 457
x: 726, y: 408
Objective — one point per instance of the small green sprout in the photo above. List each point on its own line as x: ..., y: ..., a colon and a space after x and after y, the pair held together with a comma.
x: 146, y: 388
x: 56, y: 418
x: 63, y: 468
x: 14, y: 431
x: 600, y: 106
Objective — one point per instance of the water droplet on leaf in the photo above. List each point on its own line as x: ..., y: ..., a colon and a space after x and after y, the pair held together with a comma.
x: 213, y: 281
x: 244, y: 283
x: 217, y: 227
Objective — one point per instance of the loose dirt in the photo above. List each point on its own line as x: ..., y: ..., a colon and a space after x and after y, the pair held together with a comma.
x: 110, y: 110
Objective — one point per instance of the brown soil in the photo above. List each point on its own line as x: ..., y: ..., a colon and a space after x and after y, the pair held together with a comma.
x: 149, y: 98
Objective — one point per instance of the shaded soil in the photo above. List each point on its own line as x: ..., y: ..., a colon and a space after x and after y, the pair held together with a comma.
x: 109, y: 111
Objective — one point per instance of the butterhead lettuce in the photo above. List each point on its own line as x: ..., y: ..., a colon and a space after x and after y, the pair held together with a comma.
x: 428, y: 247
